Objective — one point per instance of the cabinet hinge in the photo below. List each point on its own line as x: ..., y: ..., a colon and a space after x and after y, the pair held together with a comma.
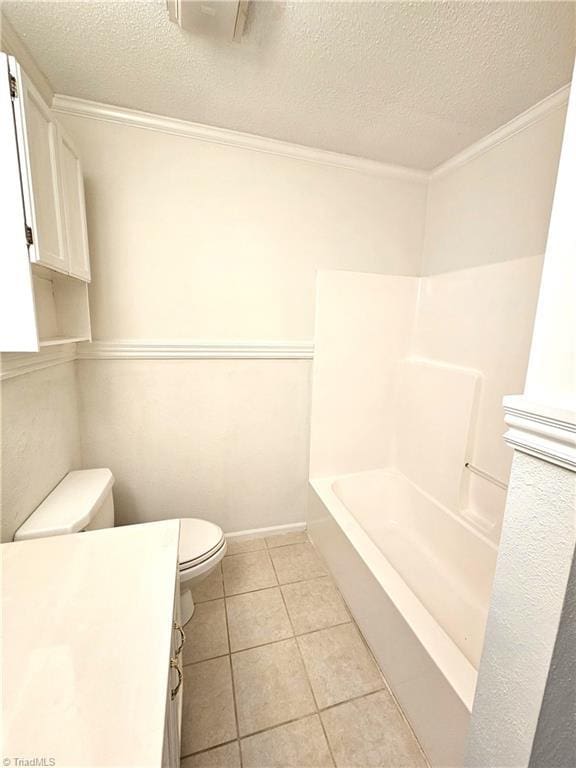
x: 29, y: 237
x: 13, y: 87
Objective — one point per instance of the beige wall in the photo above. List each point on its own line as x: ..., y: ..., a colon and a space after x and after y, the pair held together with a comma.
x: 225, y: 440
x: 496, y: 206
x: 197, y: 240
x: 200, y: 241
x: 192, y: 240
x: 40, y: 439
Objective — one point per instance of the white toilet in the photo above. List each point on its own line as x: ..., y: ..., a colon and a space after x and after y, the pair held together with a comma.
x: 83, y: 501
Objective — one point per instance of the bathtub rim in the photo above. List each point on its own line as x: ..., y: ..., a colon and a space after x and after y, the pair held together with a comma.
x: 458, y: 671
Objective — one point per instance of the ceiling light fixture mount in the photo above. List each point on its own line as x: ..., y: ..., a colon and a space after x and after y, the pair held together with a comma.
x: 221, y: 19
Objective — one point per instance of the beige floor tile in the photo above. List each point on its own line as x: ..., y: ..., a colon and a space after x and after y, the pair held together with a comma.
x: 271, y: 686
x: 206, y: 634
x: 208, y: 712
x: 209, y: 588
x: 339, y: 664
x: 248, y: 572
x: 314, y: 605
x: 296, y: 745
x: 297, y: 562
x: 226, y: 756
x: 282, y: 539
x: 371, y: 733
x: 239, y: 546
x: 256, y: 618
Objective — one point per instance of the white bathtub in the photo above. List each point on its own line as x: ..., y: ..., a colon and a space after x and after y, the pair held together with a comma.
x: 417, y: 579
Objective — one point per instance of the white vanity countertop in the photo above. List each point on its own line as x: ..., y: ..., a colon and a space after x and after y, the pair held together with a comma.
x: 87, y: 625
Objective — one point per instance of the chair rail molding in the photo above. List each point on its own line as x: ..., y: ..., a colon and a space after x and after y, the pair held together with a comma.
x: 185, y: 349
x: 547, y: 432
x: 18, y: 363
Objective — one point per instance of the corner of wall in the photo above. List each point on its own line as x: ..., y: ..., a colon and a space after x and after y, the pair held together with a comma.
x: 425, y: 224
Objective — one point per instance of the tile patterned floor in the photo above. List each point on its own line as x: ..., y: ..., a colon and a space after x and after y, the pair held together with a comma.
x: 277, y: 675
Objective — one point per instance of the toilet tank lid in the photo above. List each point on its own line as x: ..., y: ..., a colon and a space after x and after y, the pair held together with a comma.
x: 70, y: 506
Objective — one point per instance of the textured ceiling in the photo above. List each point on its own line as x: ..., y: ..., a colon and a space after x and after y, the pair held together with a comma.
x: 403, y: 82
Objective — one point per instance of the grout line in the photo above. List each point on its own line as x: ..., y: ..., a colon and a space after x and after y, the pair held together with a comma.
x: 210, y: 600
x: 208, y: 749
x: 234, y: 701
x: 306, y: 674
x: 257, y: 589
x: 353, y: 698
x: 272, y: 642
x: 279, y: 584
x: 382, y: 675
x: 295, y: 634
x: 267, y: 547
x: 210, y: 658
x: 279, y: 725
x: 318, y: 711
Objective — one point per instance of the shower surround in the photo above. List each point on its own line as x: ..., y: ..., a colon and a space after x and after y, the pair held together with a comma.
x: 409, y: 375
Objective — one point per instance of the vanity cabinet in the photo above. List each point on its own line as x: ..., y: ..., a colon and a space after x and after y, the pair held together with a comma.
x: 96, y: 682
x: 45, y: 263
x: 174, y: 696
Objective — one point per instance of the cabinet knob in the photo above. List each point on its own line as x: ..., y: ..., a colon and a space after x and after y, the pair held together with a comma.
x: 179, y: 629
x: 174, y: 691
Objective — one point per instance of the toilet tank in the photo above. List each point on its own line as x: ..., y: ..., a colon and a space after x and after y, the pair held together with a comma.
x: 82, y: 501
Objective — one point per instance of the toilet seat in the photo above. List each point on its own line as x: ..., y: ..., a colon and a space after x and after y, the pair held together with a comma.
x: 190, y: 564
x: 200, y: 541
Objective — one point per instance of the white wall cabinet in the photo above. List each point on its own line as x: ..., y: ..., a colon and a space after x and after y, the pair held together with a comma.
x: 73, y: 208
x: 49, y: 303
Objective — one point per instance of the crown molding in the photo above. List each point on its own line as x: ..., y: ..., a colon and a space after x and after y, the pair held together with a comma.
x: 69, y: 105
x: 524, y: 120
x: 195, y: 350
x: 545, y: 431
x: 18, y: 363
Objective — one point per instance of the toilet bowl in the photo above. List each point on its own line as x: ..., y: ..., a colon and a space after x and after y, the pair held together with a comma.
x: 202, y: 546
x: 83, y: 501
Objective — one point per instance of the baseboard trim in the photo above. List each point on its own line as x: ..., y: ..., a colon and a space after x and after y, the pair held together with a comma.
x: 269, y: 531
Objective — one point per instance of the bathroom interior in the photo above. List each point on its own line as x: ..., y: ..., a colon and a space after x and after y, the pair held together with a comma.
x: 288, y: 397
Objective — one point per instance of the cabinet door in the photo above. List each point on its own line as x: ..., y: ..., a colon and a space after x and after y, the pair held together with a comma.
x: 17, y: 313
x: 38, y: 148
x: 173, y: 716
x: 74, y: 209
